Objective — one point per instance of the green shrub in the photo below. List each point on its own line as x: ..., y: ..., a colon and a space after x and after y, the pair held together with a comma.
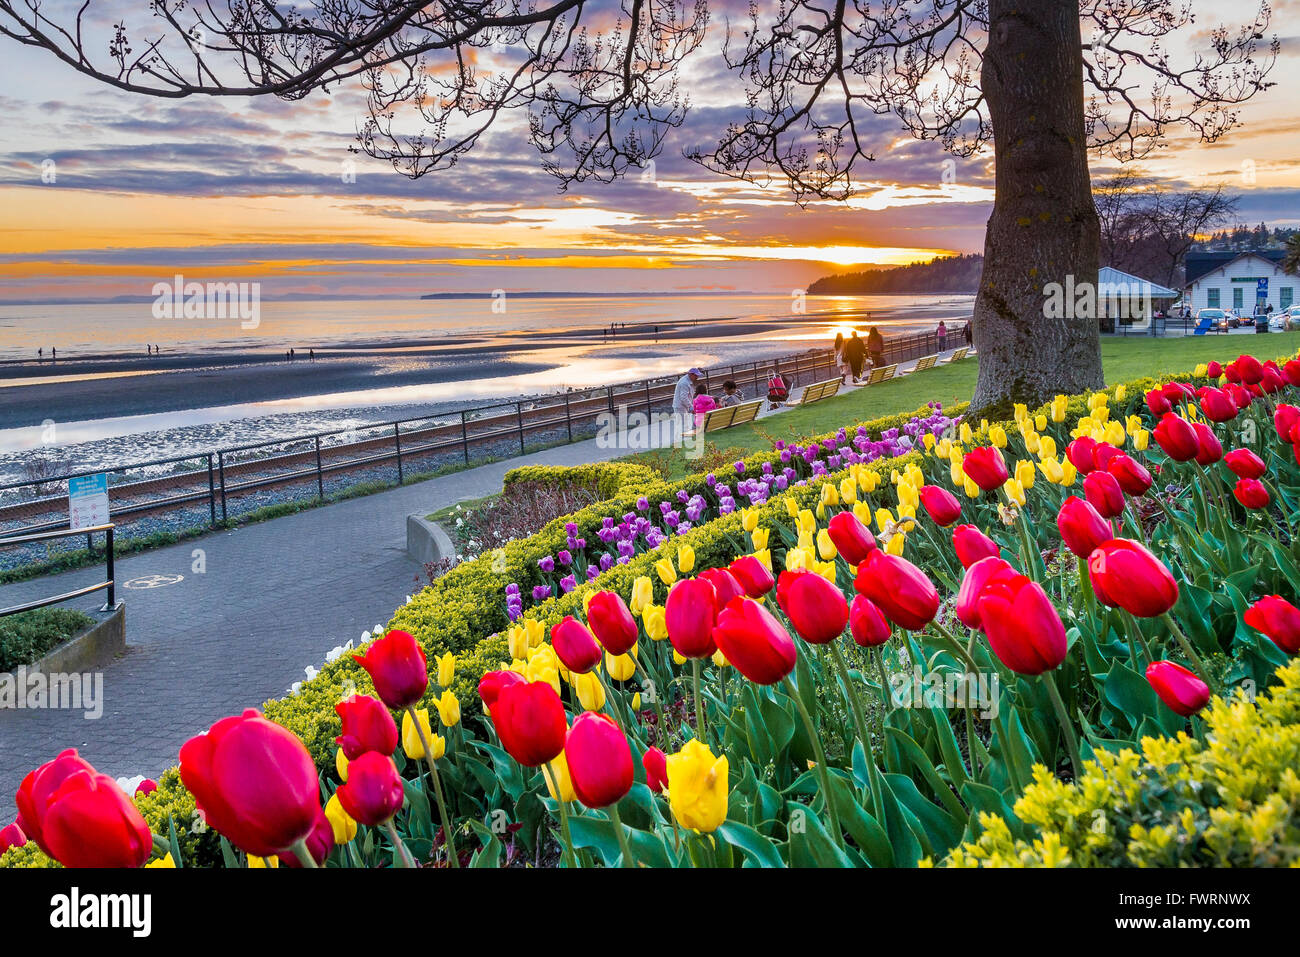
x: 1231, y: 802
x: 28, y: 636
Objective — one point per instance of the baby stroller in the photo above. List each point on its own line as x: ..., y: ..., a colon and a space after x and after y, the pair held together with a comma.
x: 777, y: 391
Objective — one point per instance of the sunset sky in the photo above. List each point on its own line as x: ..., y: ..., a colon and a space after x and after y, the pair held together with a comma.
x: 237, y: 189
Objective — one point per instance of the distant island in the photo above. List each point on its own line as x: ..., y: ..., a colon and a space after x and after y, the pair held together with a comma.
x: 957, y: 274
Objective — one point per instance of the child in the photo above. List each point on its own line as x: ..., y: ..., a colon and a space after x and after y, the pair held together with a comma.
x: 703, y: 403
x: 731, y: 394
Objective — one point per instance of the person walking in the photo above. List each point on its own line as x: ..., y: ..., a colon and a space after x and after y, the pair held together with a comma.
x: 855, y: 354
x: 684, y: 394
x: 841, y: 363
x: 942, y: 333
x: 966, y: 332
x: 876, y: 347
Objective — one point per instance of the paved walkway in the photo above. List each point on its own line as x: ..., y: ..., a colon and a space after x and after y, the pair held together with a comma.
x: 273, y: 598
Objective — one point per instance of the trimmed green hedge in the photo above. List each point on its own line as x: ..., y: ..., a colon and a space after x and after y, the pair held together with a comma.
x: 28, y: 636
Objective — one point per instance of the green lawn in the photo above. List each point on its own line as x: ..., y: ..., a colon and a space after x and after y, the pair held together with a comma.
x: 1123, y: 359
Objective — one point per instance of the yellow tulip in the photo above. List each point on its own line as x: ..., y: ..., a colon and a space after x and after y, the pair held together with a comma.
x: 446, y: 669
x: 906, y: 511
x: 1140, y: 440
x: 1201, y: 371
x: 965, y: 434
x: 1020, y: 411
x: 345, y: 829
x: 621, y: 667
x: 830, y: 494
x: 1059, y: 405
x: 956, y: 473
x: 1071, y: 473
x: 543, y: 665
x: 862, y: 511
x: 341, y: 764
x: 908, y: 495
x: 797, y: 558
x: 884, y: 518
x: 263, y: 862
x: 559, y: 771
x: 972, y: 490
x: 590, y: 692
x: 807, y: 521
x: 720, y: 660
x: 678, y: 659
x: 686, y: 559
x: 656, y: 625
x: 643, y: 593
x: 1040, y: 422
x: 1047, y: 446
x: 163, y: 862
x: 517, y: 642
x: 1025, y: 474
x: 998, y: 436
x: 1115, y: 434
x: 1121, y: 391
x: 942, y: 449
x: 664, y: 569
x: 764, y: 555
x: 749, y: 519
x: 536, y: 632
x: 826, y: 547
x: 1052, y: 470
x: 1014, y: 491
x: 758, y: 538
x: 697, y: 787
x: 825, y: 569
x: 928, y: 440
x: 448, y: 709
x: 411, y: 743
x: 636, y: 701
x: 895, y: 545
x: 791, y: 506
x: 848, y: 491
x: 869, y: 480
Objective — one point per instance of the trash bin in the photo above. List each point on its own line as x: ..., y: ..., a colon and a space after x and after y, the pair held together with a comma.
x: 1158, y: 326
x: 1261, y: 323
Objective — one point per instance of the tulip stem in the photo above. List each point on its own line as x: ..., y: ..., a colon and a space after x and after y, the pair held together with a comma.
x: 658, y: 700
x: 622, y: 838
x: 1085, y: 585
x: 452, y: 858
x: 699, y: 701
x: 1136, y: 628
x: 407, y: 860
x: 610, y: 703
x: 860, y: 720
x: 820, y: 757
x: 1067, y: 726
x: 564, y: 814
x: 1191, y: 654
x: 885, y: 696
x: 301, y: 852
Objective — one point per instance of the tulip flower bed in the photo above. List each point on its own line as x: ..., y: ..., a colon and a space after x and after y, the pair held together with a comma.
x: 900, y: 661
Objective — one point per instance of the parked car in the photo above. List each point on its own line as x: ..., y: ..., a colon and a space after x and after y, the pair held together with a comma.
x: 1279, y: 321
x: 1217, y: 317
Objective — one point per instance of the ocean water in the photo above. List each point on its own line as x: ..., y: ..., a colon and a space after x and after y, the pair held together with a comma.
x: 86, y: 329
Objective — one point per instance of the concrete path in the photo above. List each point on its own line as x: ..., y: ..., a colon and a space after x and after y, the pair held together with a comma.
x: 271, y: 599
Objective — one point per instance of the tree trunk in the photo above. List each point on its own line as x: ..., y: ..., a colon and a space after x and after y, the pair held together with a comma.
x: 1044, y: 228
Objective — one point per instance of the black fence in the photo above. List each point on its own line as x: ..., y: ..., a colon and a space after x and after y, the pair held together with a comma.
x: 108, y: 585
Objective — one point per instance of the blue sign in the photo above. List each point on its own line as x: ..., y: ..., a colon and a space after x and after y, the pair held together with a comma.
x: 1261, y: 289
x: 88, y: 501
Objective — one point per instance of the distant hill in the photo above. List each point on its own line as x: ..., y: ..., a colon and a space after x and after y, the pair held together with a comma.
x: 944, y: 274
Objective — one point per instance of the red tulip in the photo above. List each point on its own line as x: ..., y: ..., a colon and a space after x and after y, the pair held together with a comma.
x: 1157, y: 402
x: 1125, y: 575
x: 1273, y: 381
x: 1241, y: 396
x: 816, y: 608
x: 490, y: 685
x: 1133, y: 478
x: 1081, y: 526
x: 367, y: 726
x: 147, y: 786
x: 397, y: 666
x: 1082, y: 454
x: 1213, y: 370
x: 609, y: 617
x: 753, y: 576
x: 1023, y: 627
x: 1285, y: 420
x: 754, y: 642
x: 1217, y: 405
x: 11, y: 836
x: 529, y: 718
x: 1251, y: 493
x: 867, y: 623
x: 852, y: 539
x: 1249, y: 369
x: 941, y: 505
x: 689, y: 613
x: 973, y: 584
x: 1278, y: 619
x: 575, y: 645
x: 1209, y: 450
x: 373, y: 792
x: 724, y: 583
x: 971, y: 545
x: 254, y: 781
x: 1177, y: 437
x: 1179, y: 391
x: 985, y: 467
x: 1245, y: 463
x: 900, y: 589
x: 79, y: 817
x: 600, y: 760
x: 320, y: 842
x: 1178, y: 688
x: 1103, y: 453
x: 655, y: 763
x: 1104, y: 494
x: 1291, y: 371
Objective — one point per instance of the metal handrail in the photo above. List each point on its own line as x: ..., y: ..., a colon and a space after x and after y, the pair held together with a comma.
x: 109, y: 583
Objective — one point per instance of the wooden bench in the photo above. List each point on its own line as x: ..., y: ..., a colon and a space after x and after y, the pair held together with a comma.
x: 881, y: 374
x: 958, y: 355
x: 730, y: 415
x: 819, y: 390
x: 923, y: 363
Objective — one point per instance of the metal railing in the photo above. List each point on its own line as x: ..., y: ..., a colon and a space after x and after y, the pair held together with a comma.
x: 218, y: 483
x: 109, y: 584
